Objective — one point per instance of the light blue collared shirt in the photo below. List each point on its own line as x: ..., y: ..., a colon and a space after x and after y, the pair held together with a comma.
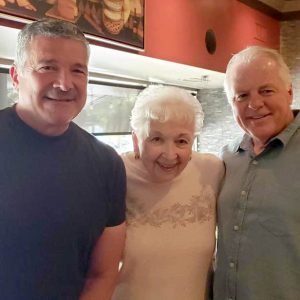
x: 258, y: 255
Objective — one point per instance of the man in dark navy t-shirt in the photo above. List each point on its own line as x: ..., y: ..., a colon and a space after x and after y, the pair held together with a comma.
x: 62, y: 192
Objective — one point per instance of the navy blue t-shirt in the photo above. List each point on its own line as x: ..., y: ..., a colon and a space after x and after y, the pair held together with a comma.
x: 57, y: 194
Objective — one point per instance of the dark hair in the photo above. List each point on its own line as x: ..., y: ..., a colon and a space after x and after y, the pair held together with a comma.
x: 46, y: 27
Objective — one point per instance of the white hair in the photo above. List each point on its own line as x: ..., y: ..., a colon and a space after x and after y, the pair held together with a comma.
x: 163, y: 104
x: 247, y: 56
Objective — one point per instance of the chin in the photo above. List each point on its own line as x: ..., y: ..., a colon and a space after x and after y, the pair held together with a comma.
x: 165, y: 178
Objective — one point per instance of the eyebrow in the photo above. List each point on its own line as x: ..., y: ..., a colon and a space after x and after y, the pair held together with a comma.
x: 81, y: 66
x: 155, y: 133
x: 266, y: 85
x: 53, y: 61
x: 47, y: 61
x: 184, y: 135
x: 177, y: 136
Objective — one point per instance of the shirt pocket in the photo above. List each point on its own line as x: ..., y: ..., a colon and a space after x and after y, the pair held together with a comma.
x: 279, y: 211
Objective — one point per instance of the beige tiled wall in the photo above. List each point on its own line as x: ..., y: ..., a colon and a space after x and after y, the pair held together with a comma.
x: 290, y: 49
x: 219, y: 126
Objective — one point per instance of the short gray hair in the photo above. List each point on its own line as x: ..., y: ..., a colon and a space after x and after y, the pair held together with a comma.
x: 249, y: 54
x: 165, y: 103
x: 47, y: 27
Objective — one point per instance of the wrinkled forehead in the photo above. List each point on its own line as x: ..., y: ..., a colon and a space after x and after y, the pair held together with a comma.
x: 259, y: 70
x: 40, y: 41
x: 259, y: 63
x: 57, y: 44
x: 171, y: 127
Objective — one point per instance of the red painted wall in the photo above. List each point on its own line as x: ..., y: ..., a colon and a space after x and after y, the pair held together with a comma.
x: 175, y: 30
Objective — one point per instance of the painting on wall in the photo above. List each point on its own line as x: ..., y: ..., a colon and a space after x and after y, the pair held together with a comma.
x: 119, y: 22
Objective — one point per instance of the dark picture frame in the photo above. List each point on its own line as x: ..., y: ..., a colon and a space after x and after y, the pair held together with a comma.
x: 117, y: 22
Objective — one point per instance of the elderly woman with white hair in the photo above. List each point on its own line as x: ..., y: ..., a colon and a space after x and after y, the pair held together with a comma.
x: 171, y: 199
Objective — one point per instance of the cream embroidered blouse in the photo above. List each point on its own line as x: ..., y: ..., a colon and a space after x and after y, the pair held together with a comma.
x: 171, y: 232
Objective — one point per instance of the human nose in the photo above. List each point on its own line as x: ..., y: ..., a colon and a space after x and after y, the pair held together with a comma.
x: 63, y: 81
x: 170, y: 151
x: 255, y: 102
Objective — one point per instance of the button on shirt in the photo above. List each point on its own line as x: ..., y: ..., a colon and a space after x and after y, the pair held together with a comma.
x: 258, y: 255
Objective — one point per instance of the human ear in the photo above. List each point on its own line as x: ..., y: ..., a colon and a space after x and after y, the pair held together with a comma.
x: 135, y: 145
x: 13, y: 72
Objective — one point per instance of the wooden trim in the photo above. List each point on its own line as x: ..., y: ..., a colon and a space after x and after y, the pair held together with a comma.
x: 292, y: 15
x: 272, y: 12
x: 264, y: 8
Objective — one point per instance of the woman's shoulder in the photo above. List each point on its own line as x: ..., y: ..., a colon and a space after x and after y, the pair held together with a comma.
x: 128, y: 159
x: 127, y: 156
x: 134, y: 167
x: 206, y: 158
x: 208, y: 162
x: 209, y: 165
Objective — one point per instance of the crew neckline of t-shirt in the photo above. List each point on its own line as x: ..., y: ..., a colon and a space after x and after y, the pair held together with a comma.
x: 24, y: 126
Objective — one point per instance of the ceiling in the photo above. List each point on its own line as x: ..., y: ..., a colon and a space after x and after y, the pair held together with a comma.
x: 279, y: 9
x: 120, y: 67
x: 283, y: 6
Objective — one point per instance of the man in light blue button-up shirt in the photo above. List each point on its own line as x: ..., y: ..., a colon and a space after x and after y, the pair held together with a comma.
x: 258, y: 255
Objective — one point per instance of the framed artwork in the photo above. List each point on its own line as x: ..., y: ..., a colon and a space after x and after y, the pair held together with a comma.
x: 118, y: 22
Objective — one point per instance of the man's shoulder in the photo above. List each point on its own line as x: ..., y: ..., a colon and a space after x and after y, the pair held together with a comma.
x: 93, y: 146
x: 89, y: 138
x: 7, y: 119
x: 231, y: 148
x: 5, y: 112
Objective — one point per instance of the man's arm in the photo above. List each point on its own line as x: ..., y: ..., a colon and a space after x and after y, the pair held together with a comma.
x: 104, y: 266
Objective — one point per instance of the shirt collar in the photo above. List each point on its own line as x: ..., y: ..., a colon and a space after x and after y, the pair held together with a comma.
x: 285, y: 135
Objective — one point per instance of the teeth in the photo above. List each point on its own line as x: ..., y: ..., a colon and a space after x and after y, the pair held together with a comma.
x: 167, y: 166
x: 59, y: 100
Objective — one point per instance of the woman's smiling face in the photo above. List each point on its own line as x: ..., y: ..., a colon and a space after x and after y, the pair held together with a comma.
x: 167, y: 150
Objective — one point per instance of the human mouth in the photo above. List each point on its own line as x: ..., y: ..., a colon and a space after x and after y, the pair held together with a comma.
x: 167, y: 167
x: 60, y: 96
x: 59, y: 99
x: 258, y: 117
